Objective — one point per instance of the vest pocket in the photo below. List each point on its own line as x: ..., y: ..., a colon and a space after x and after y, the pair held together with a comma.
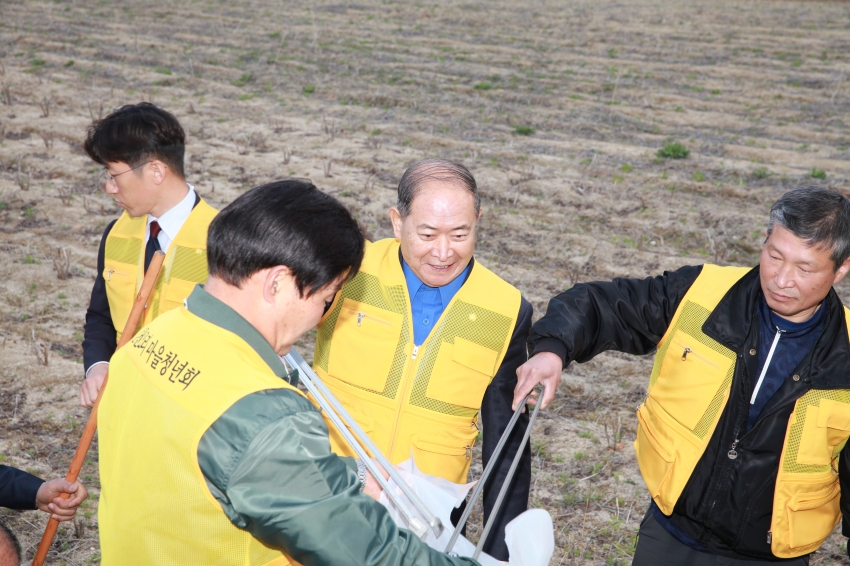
x: 120, y: 292
x: 690, y: 376
x: 654, y: 460
x: 813, y: 515
x: 450, y: 461
x: 825, y: 431
x: 175, y: 292
x: 364, y: 342
x: 462, y: 372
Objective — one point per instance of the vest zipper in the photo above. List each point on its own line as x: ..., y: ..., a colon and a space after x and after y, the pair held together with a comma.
x: 361, y: 316
x: 468, y: 452
x: 769, y: 537
x: 779, y: 332
x: 732, y: 453
x: 403, y: 395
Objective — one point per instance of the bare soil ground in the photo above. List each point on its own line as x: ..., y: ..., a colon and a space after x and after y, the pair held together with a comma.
x: 558, y: 108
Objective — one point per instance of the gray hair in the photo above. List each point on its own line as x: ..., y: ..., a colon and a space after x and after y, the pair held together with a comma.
x: 819, y: 216
x: 427, y: 170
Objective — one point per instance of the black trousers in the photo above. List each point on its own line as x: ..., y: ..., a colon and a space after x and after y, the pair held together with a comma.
x: 657, y: 547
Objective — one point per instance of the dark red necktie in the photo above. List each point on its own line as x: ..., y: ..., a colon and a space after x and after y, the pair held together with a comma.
x: 153, y: 243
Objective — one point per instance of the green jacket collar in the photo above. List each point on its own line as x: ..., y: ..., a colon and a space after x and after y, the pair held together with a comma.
x: 205, y: 306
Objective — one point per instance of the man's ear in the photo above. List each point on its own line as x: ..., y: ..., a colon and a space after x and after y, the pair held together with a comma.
x: 841, y: 271
x: 158, y: 169
x: 396, y: 219
x: 277, y: 280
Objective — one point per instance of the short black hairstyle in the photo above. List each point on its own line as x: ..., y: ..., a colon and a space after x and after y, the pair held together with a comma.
x: 434, y: 170
x: 290, y: 223
x: 6, y: 532
x: 817, y: 215
x: 137, y: 133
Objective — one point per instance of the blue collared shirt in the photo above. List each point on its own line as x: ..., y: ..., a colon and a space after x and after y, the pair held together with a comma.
x: 428, y: 303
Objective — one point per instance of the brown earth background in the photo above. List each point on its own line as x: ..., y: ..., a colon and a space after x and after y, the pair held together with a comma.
x: 558, y: 108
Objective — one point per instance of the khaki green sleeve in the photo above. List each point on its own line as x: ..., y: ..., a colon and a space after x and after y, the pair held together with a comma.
x: 267, y: 460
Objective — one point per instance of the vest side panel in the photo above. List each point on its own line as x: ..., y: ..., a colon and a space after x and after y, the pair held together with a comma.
x: 166, y: 387
x: 807, y: 493
x: 185, y: 262
x: 123, y: 258
x: 688, y: 389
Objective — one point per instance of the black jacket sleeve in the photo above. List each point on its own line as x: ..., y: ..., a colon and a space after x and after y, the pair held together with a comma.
x: 18, y: 488
x: 496, y: 412
x: 627, y: 315
x: 99, y: 333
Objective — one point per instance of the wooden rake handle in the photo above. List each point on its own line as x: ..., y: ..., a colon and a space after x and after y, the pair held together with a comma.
x: 136, y: 314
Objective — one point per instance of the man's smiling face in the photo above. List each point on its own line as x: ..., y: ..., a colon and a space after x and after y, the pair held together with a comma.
x: 438, y: 236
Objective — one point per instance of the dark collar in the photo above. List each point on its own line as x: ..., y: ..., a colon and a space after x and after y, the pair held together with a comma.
x: 729, y: 323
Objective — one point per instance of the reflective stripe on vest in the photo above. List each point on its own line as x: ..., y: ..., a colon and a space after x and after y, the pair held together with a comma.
x: 690, y: 384
x: 185, y: 265
x: 166, y: 387
x: 423, y: 401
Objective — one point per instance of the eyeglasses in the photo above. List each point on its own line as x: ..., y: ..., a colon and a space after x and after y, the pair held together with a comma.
x: 106, y: 177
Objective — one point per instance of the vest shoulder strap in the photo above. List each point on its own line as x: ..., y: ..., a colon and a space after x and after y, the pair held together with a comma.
x: 193, y: 233
x: 129, y: 227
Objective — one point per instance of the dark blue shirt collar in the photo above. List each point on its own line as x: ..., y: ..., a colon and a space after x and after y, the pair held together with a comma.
x: 774, y: 320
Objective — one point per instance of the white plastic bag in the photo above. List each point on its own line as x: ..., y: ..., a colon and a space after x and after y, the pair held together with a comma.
x: 530, y: 529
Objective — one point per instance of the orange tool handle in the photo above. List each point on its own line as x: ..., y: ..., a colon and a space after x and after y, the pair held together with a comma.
x: 136, y: 314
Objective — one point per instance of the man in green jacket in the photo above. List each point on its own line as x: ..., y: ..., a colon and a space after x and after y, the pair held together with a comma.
x: 220, y: 459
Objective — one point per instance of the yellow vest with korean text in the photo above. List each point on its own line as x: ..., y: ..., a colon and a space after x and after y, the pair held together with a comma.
x: 690, y: 384
x: 124, y: 260
x: 422, y: 401
x: 166, y: 387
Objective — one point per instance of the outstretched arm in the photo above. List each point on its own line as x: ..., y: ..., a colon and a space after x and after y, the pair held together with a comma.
x: 627, y: 315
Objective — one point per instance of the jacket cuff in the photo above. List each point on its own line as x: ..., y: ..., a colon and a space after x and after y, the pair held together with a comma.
x: 551, y: 345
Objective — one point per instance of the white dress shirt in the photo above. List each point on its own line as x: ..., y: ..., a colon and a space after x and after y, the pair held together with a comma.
x: 171, y: 222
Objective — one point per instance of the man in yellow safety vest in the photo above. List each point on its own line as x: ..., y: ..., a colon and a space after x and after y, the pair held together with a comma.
x: 424, y: 340
x: 141, y: 148
x: 209, y: 453
x: 742, y: 437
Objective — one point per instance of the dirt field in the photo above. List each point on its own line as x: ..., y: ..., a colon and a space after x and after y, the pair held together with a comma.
x: 558, y: 108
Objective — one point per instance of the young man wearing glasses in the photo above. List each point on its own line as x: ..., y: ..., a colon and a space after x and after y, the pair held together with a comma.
x: 141, y: 148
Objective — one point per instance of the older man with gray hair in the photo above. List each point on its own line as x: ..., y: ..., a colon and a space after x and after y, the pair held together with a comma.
x: 742, y: 438
x: 422, y: 346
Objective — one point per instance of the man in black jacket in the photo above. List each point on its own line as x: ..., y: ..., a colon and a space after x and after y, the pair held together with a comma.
x: 21, y: 490
x: 748, y: 404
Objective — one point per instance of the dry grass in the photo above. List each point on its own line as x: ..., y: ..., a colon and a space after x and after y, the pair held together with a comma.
x: 558, y: 108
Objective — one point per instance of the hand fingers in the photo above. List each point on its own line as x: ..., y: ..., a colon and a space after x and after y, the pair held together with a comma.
x: 549, y: 392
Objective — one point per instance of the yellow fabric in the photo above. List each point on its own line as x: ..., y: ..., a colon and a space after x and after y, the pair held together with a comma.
x: 424, y: 403
x: 688, y: 389
x: 166, y: 387
x: 124, y: 259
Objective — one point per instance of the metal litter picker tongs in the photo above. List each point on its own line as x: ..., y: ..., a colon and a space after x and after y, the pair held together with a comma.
x: 479, y: 487
x: 362, y: 445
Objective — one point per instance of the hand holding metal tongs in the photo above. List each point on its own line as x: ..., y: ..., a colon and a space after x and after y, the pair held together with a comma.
x: 479, y: 487
x: 362, y: 445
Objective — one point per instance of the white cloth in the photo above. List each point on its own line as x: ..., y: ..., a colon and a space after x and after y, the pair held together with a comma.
x: 171, y: 222
x: 530, y: 537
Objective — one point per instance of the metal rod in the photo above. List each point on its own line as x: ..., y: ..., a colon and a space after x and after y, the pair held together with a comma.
x: 479, y: 487
x: 136, y: 314
x: 507, y: 482
x: 416, y: 526
x: 433, y: 521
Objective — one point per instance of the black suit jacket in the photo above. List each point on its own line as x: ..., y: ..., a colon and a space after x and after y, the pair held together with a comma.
x: 18, y: 488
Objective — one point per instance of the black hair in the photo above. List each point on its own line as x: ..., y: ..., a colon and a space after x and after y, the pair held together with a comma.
x: 7, y: 533
x: 434, y: 170
x: 137, y: 133
x: 289, y: 223
x: 817, y: 215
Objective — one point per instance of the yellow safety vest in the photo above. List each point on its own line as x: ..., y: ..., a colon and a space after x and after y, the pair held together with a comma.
x: 686, y: 396
x: 124, y: 262
x: 166, y: 387
x: 424, y: 400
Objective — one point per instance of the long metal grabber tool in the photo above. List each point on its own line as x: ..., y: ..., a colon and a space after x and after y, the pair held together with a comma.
x: 479, y: 487
x: 136, y: 314
x: 336, y: 407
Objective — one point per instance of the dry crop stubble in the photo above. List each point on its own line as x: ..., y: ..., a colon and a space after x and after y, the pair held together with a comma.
x: 559, y: 109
